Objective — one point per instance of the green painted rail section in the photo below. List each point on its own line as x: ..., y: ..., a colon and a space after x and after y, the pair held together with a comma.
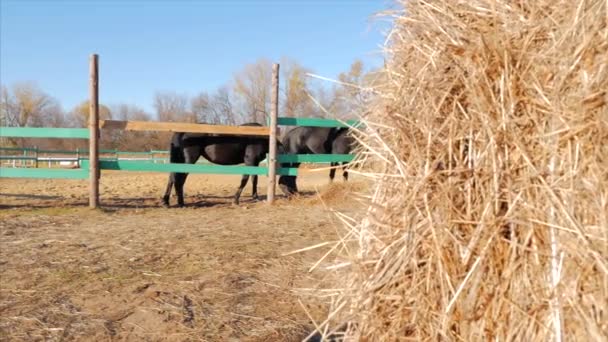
x: 58, y: 151
x: 287, y: 171
x: 43, y: 173
x: 136, y: 165
x: 44, y: 132
x: 133, y: 153
x: 316, y: 122
x: 23, y: 149
x: 132, y: 165
x: 149, y: 163
x: 314, y: 158
x: 17, y: 158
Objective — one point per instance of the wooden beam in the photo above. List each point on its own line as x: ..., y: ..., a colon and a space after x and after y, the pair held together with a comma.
x: 272, y: 142
x: 184, y: 127
x: 94, y: 172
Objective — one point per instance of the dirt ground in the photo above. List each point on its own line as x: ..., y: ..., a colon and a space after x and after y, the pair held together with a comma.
x: 136, y: 271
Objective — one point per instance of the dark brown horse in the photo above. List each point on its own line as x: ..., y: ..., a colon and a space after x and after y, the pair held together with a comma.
x: 314, y: 140
x: 222, y: 150
x: 343, y: 144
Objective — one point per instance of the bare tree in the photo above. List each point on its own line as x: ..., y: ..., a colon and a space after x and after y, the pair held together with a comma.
x: 130, y: 141
x: 200, y: 106
x: 350, y: 95
x: 54, y: 116
x: 224, y: 108
x: 172, y: 107
x: 298, y: 95
x: 79, y: 116
x: 252, y: 87
x: 214, y: 109
x: 25, y: 104
x: 6, y: 107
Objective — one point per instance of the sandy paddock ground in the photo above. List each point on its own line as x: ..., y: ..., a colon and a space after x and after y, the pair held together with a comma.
x: 135, y: 271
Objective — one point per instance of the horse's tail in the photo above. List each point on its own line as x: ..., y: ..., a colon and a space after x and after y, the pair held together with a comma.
x: 176, y: 151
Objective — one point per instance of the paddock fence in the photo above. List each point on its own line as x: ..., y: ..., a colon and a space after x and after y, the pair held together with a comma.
x: 89, y: 162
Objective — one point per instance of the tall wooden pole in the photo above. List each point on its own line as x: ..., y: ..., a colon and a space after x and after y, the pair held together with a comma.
x: 272, y: 142
x: 93, y: 132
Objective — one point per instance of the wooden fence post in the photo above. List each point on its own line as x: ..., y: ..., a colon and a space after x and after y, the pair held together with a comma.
x: 272, y: 141
x: 93, y: 132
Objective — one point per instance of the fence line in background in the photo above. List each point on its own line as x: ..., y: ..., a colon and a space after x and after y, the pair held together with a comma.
x: 89, y: 160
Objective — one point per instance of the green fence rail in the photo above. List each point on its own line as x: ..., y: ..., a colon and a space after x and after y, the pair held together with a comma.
x: 43, y: 173
x: 23, y: 149
x: 150, y: 164
x: 44, y: 132
x: 135, y: 165
x: 41, y: 132
x: 17, y: 158
x: 316, y: 122
x: 314, y: 158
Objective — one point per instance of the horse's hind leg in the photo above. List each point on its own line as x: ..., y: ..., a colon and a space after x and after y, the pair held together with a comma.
x: 345, y: 171
x: 240, y: 189
x: 191, y: 155
x: 168, y: 190
x: 254, y: 185
x: 180, y: 180
x: 332, y: 171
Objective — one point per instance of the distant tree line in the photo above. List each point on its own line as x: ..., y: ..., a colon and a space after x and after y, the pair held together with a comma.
x: 245, y: 99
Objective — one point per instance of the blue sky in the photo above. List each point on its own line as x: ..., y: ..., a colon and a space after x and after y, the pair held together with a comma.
x: 180, y: 46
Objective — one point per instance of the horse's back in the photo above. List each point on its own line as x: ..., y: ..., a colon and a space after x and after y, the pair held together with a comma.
x: 307, y: 140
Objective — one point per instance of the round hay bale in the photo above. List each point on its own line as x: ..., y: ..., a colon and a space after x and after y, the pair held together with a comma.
x: 489, y: 217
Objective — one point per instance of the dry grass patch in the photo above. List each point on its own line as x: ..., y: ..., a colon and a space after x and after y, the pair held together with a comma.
x: 134, y: 271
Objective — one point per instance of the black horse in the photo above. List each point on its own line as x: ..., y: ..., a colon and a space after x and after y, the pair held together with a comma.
x: 222, y: 150
x: 313, y: 140
x: 343, y: 144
